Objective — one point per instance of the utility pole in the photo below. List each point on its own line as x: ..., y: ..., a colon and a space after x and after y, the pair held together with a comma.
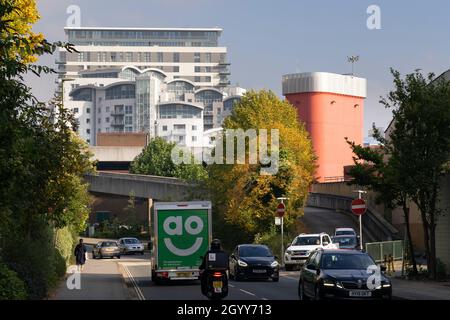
x: 282, y: 232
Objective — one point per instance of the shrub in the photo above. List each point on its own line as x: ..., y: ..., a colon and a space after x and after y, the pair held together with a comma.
x: 441, y: 269
x: 11, y: 286
x: 64, y: 244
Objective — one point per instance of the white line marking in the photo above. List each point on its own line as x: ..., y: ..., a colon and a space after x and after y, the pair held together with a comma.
x: 134, y: 283
x: 231, y: 286
x: 252, y: 294
x: 264, y: 299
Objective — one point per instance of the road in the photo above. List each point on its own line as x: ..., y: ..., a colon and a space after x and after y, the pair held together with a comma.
x: 104, y: 278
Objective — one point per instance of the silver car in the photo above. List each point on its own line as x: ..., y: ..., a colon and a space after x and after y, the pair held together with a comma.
x: 130, y: 245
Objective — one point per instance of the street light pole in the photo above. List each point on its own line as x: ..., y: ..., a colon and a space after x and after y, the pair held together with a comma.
x: 282, y: 233
x: 360, y: 192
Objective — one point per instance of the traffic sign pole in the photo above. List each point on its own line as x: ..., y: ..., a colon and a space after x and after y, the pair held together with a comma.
x: 360, y: 211
x: 281, y: 208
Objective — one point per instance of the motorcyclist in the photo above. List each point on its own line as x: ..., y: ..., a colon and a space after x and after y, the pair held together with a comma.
x: 214, y: 248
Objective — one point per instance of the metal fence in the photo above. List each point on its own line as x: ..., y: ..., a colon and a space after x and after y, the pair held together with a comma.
x: 378, y: 250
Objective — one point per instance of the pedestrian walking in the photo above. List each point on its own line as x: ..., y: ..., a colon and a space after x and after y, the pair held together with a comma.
x: 80, y: 255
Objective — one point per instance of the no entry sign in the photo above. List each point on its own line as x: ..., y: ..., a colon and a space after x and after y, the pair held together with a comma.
x: 281, y: 209
x: 359, y: 206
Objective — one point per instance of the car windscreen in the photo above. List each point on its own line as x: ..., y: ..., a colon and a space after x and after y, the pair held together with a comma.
x: 109, y: 244
x: 345, y: 241
x: 344, y: 232
x: 255, y: 251
x: 131, y: 241
x: 346, y: 261
x: 306, y: 241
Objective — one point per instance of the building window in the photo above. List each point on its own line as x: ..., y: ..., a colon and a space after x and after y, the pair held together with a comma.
x: 88, y: 140
x: 147, y: 57
x: 194, y: 138
x: 197, y: 69
x: 207, y: 69
x: 88, y: 131
x: 208, y: 57
x: 107, y: 109
x: 75, y: 110
x: 207, y: 79
x: 99, y: 120
x: 197, y: 57
x: 159, y: 56
x: 128, y: 109
x: 107, y: 129
x: 128, y: 120
x: 107, y: 119
x: 197, y: 79
x: 179, y: 126
x: 139, y: 57
x: 176, y: 57
x: 128, y: 129
x: 113, y: 57
x: 176, y: 69
x: 88, y: 120
x: 194, y: 128
x: 164, y: 128
x: 88, y: 110
x: 99, y: 110
x: 129, y: 56
x: 99, y: 130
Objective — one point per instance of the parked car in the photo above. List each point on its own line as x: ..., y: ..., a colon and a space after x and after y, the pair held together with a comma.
x: 301, y: 247
x: 106, y: 249
x: 253, y: 261
x: 341, y: 274
x: 345, y: 232
x: 130, y: 245
x: 346, y: 241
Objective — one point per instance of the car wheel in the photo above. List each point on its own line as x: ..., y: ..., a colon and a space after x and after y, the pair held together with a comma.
x: 118, y: 257
x: 288, y: 267
x: 142, y: 253
x: 276, y: 279
x: 301, y: 291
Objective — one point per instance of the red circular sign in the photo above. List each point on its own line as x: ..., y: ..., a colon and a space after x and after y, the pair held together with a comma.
x: 281, y: 208
x: 359, y: 206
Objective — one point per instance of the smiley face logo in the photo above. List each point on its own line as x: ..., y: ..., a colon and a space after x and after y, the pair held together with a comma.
x: 173, y: 226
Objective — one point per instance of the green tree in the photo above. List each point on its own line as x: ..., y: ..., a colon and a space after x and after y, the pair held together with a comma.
x: 245, y: 201
x: 41, y: 159
x: 417, y: 151
x: 156, y: 160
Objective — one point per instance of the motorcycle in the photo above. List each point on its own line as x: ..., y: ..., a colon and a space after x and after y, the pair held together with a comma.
x: 216, y: 284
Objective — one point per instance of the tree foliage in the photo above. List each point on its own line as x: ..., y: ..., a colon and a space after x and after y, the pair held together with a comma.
x: 245, y: 201
x: 156, y: 160
x: 41, y: 159
x: 415, y: 156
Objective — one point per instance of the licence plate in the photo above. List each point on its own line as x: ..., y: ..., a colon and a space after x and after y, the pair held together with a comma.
x: 360, y: 294
x: 217, y: 285
x: 184, y: 274
x: 259, y: 271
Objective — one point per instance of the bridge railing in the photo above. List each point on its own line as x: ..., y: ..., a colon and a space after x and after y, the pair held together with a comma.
x: 375, y: 226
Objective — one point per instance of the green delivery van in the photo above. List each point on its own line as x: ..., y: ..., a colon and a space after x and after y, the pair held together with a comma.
x: 182, y: 234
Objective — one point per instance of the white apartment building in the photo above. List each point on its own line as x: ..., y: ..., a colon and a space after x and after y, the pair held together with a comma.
x: 170, y: 82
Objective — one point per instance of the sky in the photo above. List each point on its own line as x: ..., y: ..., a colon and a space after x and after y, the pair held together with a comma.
x: 267, y: 39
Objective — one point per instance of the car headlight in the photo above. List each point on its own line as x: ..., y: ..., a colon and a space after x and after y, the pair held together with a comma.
x: 386, y: 285
x: 242, y: 263
x: 289, y: 252
x: 328, y: 283
x: 274, y: 264
x: 339, y: 285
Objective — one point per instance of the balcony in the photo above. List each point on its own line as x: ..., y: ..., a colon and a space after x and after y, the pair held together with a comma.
x: 116, y: 113
x: 117, y: 123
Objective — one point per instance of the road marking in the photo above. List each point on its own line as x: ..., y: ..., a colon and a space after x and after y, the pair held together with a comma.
x: 264, y: 299
x: 133, y: 282
x: 231, y: 286
x: 252, y: 294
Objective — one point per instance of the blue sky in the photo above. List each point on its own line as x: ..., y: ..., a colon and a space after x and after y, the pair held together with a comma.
x: 267, y: 39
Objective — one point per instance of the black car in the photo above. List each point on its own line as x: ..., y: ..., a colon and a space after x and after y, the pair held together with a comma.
x: 346, y: 274
x: 253, y: 261
x: 346, y: 241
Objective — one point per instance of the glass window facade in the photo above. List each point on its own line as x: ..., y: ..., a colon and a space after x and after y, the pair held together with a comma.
x: 82, y: 95
x: 124, y: 91
x: 176, y: 111
x: 180, y: 88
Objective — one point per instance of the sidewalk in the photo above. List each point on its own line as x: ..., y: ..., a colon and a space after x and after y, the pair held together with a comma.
x: 100, y: 280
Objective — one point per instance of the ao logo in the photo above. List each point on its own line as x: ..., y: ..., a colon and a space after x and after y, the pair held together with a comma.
x: 177, y: 230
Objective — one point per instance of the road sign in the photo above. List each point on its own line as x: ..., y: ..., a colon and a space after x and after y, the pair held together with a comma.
x: 277, y: 221
x: 359, y: 206
x: 281, y: 208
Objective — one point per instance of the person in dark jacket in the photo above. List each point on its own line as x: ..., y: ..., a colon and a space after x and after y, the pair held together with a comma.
x: 214, y: 248
x: 80, y: 255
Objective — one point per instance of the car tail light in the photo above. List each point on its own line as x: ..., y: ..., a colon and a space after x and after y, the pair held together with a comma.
x: 164, y: 274
x: 217, y: 274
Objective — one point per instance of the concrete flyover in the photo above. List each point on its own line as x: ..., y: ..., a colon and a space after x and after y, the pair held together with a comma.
x: 143, y: 186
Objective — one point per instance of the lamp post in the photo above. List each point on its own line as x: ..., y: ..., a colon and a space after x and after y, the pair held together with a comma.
x: 353, y: 60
